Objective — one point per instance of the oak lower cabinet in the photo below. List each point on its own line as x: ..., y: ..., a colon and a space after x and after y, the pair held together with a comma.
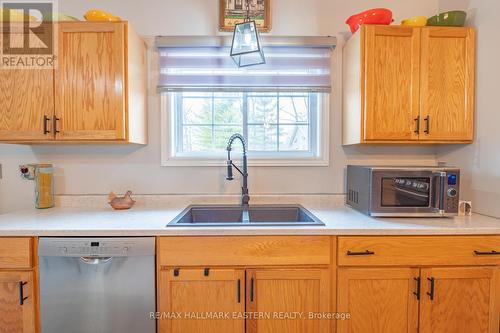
x: 378, y: 300
x: 428, y: 284
x: 18, y: 296
x: 460, y: 299
x: 17, y: 313
x: 254, y: 284
x: 206, y: 301
x: 289, y: 297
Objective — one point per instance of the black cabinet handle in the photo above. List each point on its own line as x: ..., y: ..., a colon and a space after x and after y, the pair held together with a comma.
x: 431, y: 292
x: 487, y: 253
x: 176, y: 271
x: 206, y: 271
x: 55, y: 124
x: 365, y: 253
x: 238, y: 291
x: 251, y: 289
x: 21, y: 292
x: 417, y: 128
x: 417, y: 291
x: 427, y: 125
x: 46, y: 124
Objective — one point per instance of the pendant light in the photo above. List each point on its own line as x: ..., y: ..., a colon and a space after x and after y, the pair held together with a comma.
x: 246, y: 49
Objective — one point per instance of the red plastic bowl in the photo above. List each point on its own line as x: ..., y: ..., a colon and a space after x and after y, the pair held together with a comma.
x: 372, y: 16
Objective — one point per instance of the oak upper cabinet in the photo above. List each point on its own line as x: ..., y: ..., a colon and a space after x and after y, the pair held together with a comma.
x: 100, y: 83
x: 447, y: 84
x: 408, y: 85
x: 194, y: 293
x: 96, y: 92
x: 392, y: 55
x: 461, y: 299
x: 295, y: 293
x: 26, y: 101
x: 17, y: 314
x: 378, y: 300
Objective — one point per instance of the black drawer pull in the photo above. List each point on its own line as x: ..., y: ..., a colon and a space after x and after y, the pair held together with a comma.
x: 431, y: 291
x: 21, y: 292
x: 206, y: 271
x: 238, y: 291
x: 365, y: 253
x: 487, y: 253
x: 176, y: 271
x: 251, y: 289
x: 417, y: 291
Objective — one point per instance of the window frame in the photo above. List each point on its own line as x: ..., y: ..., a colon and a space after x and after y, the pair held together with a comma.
x: 170, y: 158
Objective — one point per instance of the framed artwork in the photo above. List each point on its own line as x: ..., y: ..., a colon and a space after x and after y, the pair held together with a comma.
x: 235, y: 11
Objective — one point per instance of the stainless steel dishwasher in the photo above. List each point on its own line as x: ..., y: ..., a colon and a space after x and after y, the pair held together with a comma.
x: 97, y: 285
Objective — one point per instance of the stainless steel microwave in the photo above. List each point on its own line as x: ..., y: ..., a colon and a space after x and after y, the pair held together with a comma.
x: 403, y: 191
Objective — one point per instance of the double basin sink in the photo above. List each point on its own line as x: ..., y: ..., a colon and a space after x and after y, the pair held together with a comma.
x: 231, y: 216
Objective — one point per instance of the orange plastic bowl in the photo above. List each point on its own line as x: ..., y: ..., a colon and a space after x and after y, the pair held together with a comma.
x: 381, y: 16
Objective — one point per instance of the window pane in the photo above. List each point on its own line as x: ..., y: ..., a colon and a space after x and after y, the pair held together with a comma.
x: 294, y: 138
x: 262, y: 138
x: 262, y: 110
x: 197, y: 110
x: 228, y: 111
x: 197, y: 138
x: 294, y: 109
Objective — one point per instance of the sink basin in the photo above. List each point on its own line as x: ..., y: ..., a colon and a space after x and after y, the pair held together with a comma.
x: 265, y: 215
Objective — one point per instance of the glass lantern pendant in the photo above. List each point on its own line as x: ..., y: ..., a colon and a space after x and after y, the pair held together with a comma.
x: 246, y: 49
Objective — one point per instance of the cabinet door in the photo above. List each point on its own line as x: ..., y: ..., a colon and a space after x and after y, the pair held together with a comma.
x: 16, y: 317
x: 26, y: 97
x: 378, y: 300
x: 391, y: 67
x: 447, y: 84
x: 196, y: 302
x: 284, y: 298
x: 90, y: 102
x: 464, y: 300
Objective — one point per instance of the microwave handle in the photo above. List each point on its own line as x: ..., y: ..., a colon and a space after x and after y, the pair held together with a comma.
x: 440, y: 191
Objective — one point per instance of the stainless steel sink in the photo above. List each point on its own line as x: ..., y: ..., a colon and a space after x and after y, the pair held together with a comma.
x: 265, y: 215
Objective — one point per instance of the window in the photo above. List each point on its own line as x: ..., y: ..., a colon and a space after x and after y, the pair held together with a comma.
x: 270, y: 122
x: 281, y: 108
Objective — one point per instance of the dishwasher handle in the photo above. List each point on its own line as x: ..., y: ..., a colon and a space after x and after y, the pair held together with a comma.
x: 95, y: 260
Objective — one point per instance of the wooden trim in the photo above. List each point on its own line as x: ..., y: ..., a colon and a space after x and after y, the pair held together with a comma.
x: 244, y: 250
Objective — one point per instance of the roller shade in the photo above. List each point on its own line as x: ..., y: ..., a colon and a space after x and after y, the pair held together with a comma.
x: 287, y: 68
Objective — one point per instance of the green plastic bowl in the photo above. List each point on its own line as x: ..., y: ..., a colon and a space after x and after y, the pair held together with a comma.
x: 454, y: 18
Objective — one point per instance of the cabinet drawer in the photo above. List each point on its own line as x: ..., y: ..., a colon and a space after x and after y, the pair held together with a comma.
x: 421, y: 250
x: 244, y: 250
x: 15, y: 253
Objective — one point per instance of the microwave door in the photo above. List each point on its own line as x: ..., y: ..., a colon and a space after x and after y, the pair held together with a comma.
x: 406, y: 193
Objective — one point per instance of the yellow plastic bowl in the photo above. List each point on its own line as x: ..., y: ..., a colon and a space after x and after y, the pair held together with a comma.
x: 416, y: 21
x: 100, y: 15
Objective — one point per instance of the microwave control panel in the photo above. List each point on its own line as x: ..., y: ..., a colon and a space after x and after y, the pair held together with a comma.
x: 451, y: 195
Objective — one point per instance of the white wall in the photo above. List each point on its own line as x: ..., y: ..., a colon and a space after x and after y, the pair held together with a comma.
x: 97, y: 169
x: 480, y: 162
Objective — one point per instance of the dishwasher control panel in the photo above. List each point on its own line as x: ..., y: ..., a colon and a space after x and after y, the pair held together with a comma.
x: 96, y: 247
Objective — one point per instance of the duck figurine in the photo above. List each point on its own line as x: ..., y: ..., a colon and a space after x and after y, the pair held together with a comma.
x: 121, y: 203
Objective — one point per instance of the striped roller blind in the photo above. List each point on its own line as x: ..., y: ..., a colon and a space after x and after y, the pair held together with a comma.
x: 290, y: 68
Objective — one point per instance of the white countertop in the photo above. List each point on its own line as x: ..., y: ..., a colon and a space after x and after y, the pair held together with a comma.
x: 144, y: 221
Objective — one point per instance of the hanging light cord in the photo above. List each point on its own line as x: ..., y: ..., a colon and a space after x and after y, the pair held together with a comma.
x: 247, y: 19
